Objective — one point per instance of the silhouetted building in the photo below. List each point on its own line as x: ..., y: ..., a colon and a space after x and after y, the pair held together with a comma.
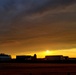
x: 54, y: 57
x: 23, y: 57
x: 72, y: 59
x: 26, y: 57
x: 65, y: 57
x: 34, y: 57
x: 5, y: 57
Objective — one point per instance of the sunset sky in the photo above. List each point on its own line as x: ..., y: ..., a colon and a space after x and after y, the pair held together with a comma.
x: 35, y: 26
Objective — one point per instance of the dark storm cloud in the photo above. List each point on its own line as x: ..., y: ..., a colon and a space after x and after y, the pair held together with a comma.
x: 24, y: 22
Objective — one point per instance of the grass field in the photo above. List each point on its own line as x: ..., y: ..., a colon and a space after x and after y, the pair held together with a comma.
x: 37, y: 69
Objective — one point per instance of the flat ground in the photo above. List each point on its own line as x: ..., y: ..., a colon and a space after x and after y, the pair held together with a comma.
x: 37, y: 69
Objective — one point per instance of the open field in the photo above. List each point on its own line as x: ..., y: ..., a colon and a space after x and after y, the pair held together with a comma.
x: 37, y: 69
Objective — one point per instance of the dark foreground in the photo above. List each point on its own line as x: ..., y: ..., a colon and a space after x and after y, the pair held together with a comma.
x: 37, y: 69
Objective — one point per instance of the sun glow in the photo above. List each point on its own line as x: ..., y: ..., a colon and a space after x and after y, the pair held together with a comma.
x: 41, y: 54
x: 48, y: 52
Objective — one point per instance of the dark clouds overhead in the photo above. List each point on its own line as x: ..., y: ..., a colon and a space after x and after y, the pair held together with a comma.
x: 15, y: 7
x: 24, y: 22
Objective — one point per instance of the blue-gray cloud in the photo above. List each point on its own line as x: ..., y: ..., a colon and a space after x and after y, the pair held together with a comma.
x: 12, y: 8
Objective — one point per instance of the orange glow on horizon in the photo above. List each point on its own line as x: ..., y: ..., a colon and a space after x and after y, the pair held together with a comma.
x: 42, y: 54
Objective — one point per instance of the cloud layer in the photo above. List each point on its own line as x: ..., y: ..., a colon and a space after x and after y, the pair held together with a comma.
x: 37, y: 24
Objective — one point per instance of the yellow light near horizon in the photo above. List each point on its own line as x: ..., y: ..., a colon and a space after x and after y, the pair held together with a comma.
x: 41, y: 54
x: 48, y: 52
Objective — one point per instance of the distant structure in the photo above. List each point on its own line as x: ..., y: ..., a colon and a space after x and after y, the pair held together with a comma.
x: 54, y: 57
x: 34, y: 57
x: 23, y: 57
x: 72, y: 59
x: 5, y: 57
x: 26, y: 57
x: 65, y: 57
